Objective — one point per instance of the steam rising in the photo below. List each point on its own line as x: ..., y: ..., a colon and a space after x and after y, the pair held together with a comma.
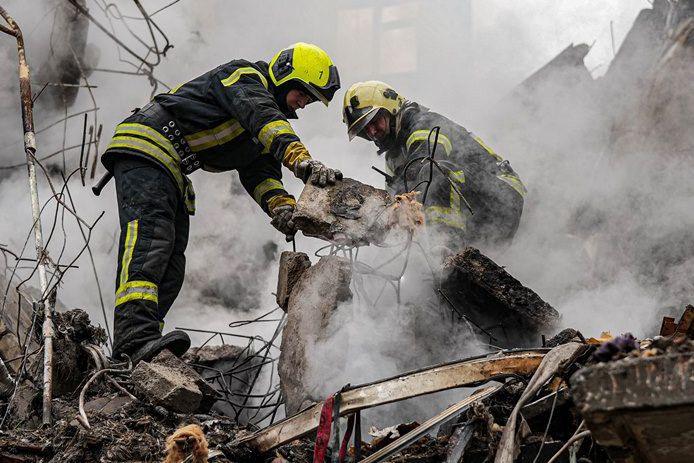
x: 604, y: 238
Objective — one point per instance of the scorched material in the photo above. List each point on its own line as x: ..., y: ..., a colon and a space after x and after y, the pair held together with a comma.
x: 492, y: 298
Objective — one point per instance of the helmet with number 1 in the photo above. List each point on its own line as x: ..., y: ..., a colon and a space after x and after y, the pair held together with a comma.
x: 305, y: 66
x: 364, y: 100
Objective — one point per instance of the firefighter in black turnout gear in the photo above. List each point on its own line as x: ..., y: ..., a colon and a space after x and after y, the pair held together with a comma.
x: 475, y: 198
x: 232, y: 117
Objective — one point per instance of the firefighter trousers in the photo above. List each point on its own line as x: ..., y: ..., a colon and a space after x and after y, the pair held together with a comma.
x: 154, y: 229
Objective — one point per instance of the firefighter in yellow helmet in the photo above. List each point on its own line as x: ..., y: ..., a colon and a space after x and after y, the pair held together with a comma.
x: 475, y: 197
x: 234, y: 117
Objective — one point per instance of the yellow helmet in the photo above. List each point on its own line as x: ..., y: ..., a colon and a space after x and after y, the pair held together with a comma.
x: 362, y: 102
x: 308, y: 66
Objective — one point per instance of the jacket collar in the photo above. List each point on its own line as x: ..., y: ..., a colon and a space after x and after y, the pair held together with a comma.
x: 279, y: 94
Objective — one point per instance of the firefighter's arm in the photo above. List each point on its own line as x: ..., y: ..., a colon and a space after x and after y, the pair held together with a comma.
x: 262, y: 179
x: 245, y: 95
x: 443, y: 183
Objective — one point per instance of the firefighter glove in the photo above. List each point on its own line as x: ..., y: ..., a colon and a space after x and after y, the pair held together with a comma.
x: 282, y: 219
x: 316, y: 173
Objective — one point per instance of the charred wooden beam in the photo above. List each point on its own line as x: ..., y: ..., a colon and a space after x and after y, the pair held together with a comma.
x: 494, y: 300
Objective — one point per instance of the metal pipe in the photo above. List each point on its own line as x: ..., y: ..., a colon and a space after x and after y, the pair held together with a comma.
x: 30, y: 149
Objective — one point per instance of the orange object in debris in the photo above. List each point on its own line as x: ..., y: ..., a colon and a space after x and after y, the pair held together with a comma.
x: 188, y: 440
x: 604, y: 337
x: 406, y: 212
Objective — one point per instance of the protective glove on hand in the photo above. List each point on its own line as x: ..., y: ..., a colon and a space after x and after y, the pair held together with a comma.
x: 282, y: 219
x: 317, y: 173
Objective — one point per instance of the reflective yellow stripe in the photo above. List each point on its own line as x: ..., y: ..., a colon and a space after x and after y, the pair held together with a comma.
x: 137, y: 284
x: 154, y: 151
x: 265, y: 186
x: 280, y: 200
x: 137, y: 297
x: 514, y: 182
x: 146, y: 140
x: 487, y: 148
x: 175, y: 89
x: 161, y: 326
x: 438, y: 214
x: 130, y: 240
x: 273, y: 129
x: 221, y: 134
x: 423, y: 135
x: 236, y: 75
x: 137, y: 290
x: 452, y: 216
x: 147, y: 132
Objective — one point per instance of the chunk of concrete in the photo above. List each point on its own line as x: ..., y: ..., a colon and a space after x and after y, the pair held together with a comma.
x: 292, y: 266
x: 487, y: 295
x: 348, y: 212
x: 212, y: 355
x: 163, y: 386
x: 640, y: 409
x: 168, y: 383
x: 209, y: 395
x: 316, y: 295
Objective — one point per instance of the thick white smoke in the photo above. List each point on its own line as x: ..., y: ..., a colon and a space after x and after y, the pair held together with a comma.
x: 460, y: 59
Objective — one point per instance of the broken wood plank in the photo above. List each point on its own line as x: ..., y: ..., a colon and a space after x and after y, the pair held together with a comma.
x: 425, y: 427
x: 413, y: 384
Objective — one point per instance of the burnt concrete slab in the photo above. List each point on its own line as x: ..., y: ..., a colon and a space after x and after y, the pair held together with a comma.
x: 349, y: 212
x: 640, y: 409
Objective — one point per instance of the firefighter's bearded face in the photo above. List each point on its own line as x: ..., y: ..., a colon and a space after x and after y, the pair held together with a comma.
x: 378, y: 129
x: 297, y: 99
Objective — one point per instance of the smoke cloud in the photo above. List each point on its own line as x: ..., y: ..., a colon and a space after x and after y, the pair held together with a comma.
x: 603, y: 238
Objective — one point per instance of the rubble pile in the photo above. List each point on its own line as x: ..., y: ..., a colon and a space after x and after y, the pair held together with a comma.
x: 545, y: 398
x: 575, y: 394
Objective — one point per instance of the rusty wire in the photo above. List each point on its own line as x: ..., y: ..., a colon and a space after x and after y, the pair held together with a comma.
x: 43, y: 260
x: 403, y: 250
x: 239, y: 384
x: 260, y: 404
x: 143, y: 64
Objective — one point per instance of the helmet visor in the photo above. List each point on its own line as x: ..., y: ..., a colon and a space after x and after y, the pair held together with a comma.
x: 358, y: 119
x: 326, y: 92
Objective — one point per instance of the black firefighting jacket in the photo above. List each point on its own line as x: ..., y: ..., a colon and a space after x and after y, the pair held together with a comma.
x: 227, y: 118
x: 492, y: 193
